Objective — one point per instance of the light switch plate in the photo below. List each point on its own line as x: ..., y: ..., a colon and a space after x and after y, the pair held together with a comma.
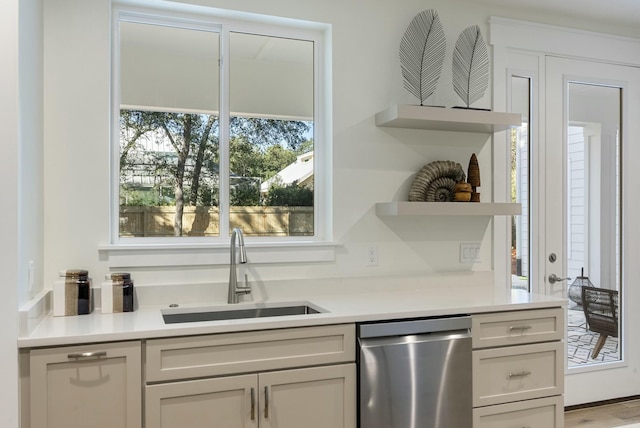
x: 470, y: 252
x: 372, y: 256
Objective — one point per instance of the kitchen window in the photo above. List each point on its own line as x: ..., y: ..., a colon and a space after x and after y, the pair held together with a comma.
x: 218, y: 122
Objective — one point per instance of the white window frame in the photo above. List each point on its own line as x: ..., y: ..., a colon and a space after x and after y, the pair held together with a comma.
x: 190, y: 251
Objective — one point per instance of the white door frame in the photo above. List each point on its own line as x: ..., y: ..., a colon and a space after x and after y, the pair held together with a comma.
x: 521, y: 42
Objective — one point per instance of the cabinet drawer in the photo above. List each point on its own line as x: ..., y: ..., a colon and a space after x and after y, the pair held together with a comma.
x: 515, y: 373
x: 517, y: 327
x: 540, y: 413
x: 95, y: 385
x: 218, y: 354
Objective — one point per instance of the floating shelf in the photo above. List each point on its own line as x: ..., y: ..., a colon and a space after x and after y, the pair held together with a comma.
x: 447, y: 119
x: 447, y: 208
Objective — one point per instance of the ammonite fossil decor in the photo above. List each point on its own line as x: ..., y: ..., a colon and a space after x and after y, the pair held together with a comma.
x: 440, y: 190
x: 427, y: 186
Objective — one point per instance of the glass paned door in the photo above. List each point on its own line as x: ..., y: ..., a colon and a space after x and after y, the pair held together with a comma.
x: 586, y: 201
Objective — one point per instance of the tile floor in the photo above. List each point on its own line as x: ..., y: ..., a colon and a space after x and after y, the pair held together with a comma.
x: 580, y: 342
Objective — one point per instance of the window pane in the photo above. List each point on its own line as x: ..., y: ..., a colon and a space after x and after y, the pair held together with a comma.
x: 593, y: 222
x: 271, y: 158
x: 169, y: 171
x: 520, y: 179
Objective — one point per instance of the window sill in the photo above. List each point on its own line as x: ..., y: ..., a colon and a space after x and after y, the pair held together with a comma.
x: 141, y: 255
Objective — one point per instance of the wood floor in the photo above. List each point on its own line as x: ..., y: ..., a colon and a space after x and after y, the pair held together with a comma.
x: 605, y: 416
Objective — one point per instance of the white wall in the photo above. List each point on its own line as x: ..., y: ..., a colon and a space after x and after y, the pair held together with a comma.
x: 378, y: 164
x: 31, y: 150
x: 76, y: 129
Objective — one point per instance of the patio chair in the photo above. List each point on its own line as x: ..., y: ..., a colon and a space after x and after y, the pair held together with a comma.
x: 600, y: 308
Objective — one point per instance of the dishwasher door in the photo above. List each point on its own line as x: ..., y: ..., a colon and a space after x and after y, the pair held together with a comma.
x: 415, y: 374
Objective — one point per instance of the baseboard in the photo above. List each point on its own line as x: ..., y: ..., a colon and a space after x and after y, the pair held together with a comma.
x: 601, y: 403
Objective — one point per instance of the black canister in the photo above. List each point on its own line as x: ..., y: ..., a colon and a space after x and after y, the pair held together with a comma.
x: 123, y: 283
x: 77, y: 292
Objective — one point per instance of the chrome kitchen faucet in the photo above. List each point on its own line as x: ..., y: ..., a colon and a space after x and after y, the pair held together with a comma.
x: 234, y: 289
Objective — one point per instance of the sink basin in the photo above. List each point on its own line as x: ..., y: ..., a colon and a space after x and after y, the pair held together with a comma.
x: 220, y: 313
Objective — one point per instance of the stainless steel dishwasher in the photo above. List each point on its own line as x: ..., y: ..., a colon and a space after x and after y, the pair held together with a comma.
x: 415, y: 374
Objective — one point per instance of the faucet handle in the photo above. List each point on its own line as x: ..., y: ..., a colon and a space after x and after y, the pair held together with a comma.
x: 245, y: 288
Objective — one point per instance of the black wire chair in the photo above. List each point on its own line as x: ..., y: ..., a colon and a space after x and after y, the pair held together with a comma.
x: 600, y: 307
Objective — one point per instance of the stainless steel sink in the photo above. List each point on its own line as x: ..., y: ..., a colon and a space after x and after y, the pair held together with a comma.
x: 220, y: 313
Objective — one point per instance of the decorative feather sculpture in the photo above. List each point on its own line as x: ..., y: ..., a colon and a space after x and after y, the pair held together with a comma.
x: 470, y: 65
x: 422, y: 51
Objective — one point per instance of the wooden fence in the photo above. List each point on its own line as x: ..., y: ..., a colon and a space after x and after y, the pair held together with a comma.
x: 204, y: 221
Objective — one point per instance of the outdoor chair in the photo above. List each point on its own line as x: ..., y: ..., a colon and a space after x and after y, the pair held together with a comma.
x: 600, y: 308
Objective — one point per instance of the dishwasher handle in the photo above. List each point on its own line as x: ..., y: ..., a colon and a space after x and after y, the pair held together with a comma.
x: 403, y: 328
x: 423, y: 338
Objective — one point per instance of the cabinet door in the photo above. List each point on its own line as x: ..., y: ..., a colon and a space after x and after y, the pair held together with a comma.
x: 317, y: 397
x: 515, y: 373
x: 541, y: 413
x: 227, y: 402
x: 90, y: 385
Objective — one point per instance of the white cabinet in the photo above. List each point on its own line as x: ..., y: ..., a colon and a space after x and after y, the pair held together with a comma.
x: 518, y: 368
x: 226, y: 401
x: 247, y: 380
x: 540, y: 413
x: 316, y: 397
x: 89, y: 385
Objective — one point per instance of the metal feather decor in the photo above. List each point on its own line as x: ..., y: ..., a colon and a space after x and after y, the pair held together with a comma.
x: 470, y: 65
x: 422, y: 51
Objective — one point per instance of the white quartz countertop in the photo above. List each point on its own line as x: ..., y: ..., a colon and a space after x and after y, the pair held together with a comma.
x: 147, y: 321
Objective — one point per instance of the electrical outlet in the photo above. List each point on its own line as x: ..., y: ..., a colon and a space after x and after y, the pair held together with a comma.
x: 470, y: 252
x: 372, y: 256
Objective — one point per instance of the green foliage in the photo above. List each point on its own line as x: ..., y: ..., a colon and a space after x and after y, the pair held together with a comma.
x: 268, y: 132
x: 147, y: 198
x: 245, y: 194
x: 208, y: 197
x: 290, y: 195
x: 275, y: 159
x: 178, y: 154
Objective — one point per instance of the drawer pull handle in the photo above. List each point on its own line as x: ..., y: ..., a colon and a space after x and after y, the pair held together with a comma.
x: 520, y: 328
x: 79, y: 355
x: 266, y: 402
x: 253, y: 404
x: 519, y: 374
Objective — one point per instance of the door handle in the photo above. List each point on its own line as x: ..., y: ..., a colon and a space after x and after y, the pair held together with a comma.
x: 520, y: 374
x: 79, y: 355
x: 553, y: 278
x: 253, y: 404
